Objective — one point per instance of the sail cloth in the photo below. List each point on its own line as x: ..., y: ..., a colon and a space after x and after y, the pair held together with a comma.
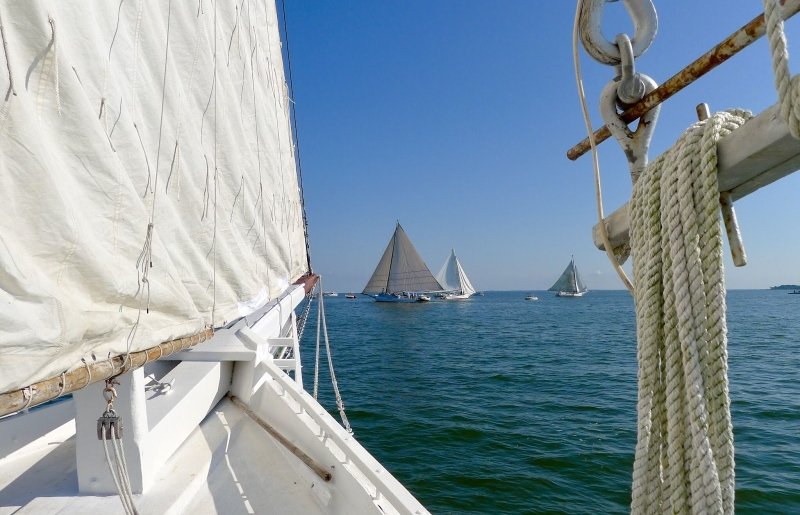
x: 126, y: 114
x: 452, y: 276
x: 401, y: 269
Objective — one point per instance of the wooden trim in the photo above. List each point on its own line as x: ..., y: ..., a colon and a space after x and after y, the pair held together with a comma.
x: 48, y: 389
x: 318, y: 469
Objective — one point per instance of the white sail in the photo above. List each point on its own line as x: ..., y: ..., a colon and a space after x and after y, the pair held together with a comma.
x: 148, y: 178
x: 453, y: 278
x: 570, y: 280
x: 401, y: 269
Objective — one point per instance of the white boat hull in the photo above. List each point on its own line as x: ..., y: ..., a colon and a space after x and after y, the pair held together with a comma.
x: 570, y: 294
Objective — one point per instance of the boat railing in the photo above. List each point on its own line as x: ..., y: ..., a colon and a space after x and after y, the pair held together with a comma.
x: 380, y: 482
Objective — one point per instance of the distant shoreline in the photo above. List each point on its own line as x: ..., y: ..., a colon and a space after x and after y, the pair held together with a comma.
x: 785, y: 287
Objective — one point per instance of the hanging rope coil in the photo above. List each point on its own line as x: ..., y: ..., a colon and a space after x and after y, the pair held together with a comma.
x: 684, y: 454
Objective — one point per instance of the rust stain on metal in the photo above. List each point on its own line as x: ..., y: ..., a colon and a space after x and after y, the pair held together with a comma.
x: 723, y: 51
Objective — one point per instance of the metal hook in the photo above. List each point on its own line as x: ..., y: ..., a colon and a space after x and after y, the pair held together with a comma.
x: 645, y: 24
x: 636, y: 143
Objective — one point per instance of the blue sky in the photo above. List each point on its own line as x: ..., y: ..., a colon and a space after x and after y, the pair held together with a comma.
x: 454, y: 117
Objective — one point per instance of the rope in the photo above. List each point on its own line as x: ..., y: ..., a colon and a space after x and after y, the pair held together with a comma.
x: 321, y: 317
x: 684, y: 454
x: 787, y: 86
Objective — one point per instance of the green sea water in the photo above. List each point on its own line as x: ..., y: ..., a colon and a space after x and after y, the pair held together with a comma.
x: 501, y: 405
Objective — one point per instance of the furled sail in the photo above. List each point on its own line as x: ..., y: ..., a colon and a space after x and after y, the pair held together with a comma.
x: 401, y: 269
x: 148, y: 177
x: 570, y: 280
x: 453, y: 278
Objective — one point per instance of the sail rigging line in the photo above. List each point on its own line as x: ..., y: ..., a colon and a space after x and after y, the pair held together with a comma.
x: 321, y: 320
x: 598, y: 188
x: 88, y: 373
x: 295, y: 132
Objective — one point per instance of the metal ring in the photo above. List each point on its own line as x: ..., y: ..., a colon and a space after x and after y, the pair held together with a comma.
x: 645, y: 24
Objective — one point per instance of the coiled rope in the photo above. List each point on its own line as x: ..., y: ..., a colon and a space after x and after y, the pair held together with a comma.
x: 685, y: 455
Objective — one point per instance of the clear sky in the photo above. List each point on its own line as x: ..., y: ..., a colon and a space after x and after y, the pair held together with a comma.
x: 454, y: 117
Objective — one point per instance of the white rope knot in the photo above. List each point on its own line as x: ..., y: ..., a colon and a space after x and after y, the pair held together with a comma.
x: 684, y: 454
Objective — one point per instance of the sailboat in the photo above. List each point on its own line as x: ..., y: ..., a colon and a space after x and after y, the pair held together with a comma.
x: 453, y: 279
x: 401, y: 274
x: 570, y: 283
x: 154, y: 251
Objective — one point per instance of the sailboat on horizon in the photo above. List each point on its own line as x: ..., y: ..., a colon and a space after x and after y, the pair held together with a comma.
x: 453, y: 278
x: 570, y: 283
x: 401, y: 274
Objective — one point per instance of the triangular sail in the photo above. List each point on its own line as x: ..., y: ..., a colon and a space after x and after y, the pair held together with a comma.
x: 453, y: 278
x: 569, y: 281
x: 466, y: 285
x: 401, y: 269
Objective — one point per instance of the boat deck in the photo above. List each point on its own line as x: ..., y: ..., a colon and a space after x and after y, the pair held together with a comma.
x: 228, y: 465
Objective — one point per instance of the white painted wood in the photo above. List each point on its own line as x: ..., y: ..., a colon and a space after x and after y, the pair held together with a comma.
x: 759, y: 153
x: 17, y: 431
x: 153, y: 427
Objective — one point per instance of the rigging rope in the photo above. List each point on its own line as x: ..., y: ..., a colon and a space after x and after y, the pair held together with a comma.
x: 323, y: 323
x: 684, y: 454
x: 615, y: 256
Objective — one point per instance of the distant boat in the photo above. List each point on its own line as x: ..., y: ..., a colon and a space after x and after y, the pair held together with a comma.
x: 794, y: 292
x: 453, y: 279
x: 401, y: 274
x: 531, y: 296
x: 570, y: 283
x: 330, y: 294
x: 350, y: 296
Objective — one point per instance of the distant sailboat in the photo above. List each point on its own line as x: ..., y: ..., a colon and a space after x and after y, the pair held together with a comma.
x: 453, y: 278
x: 401, y: 274
x: 570, y: 283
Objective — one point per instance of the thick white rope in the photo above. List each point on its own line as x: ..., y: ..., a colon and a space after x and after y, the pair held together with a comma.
x: 787, y: 86
x: 684, y: 454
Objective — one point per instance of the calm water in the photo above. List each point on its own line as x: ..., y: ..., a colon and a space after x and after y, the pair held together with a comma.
x: 501, y: 405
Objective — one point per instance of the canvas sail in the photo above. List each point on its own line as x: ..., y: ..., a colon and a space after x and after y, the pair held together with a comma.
x: 147, y: 174
x: 453, y: 278
x: 570, y: 280
x: 401, y: 269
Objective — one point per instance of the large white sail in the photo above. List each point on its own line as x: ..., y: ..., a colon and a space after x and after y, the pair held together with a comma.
x: 452, y: 276
x: 147, y: 178
x: 401, y: 269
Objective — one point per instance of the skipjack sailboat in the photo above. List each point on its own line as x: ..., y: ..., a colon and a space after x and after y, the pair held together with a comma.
x: 401, y: 274
x: 453, y: 279
x: 570, y: 283
x: 153, y: 253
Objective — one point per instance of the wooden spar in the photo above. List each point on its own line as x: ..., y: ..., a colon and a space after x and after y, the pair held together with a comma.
x: 758, y: 153
x: 49, y: 389
x: 729, y: 47
x: 318, y: 469
x: 93, y: 372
